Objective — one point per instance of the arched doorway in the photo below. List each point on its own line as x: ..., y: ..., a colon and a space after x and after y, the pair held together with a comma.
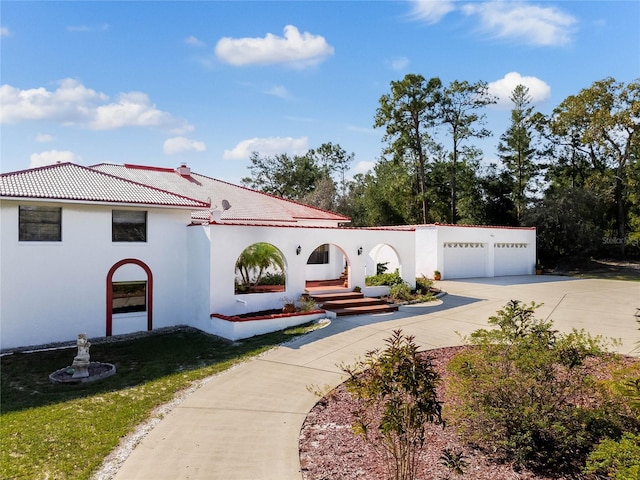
x: 327, y: 267
x: 141, y: 293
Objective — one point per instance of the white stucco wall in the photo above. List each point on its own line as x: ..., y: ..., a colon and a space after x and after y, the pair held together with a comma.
x: 228, y: 241
x: 51, y: 291
x: 426, y: 239
x: 460, y: 251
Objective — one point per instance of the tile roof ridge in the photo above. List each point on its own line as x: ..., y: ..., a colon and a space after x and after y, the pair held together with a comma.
x: 271, y: 195
x: 101, y: 173
x: 43, y: 167
x: 196, y: 174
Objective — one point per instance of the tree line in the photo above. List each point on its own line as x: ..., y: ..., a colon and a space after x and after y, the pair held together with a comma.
x: 573, y: 174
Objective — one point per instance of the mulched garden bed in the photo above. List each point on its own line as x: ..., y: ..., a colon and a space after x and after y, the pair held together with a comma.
x: 330, y: 451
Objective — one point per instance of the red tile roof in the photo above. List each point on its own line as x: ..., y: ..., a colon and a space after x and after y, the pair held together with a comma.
x: 246, y: 205
x: 68, y: 181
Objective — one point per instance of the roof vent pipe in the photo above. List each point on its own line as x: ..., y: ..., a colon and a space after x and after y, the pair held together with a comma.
x: 184, y: 170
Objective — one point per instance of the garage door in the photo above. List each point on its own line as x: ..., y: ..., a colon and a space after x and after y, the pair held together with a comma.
x: 464, y: 260
x: 511, y: 259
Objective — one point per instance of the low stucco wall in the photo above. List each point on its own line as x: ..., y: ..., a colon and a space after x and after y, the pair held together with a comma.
x: 234, y: 328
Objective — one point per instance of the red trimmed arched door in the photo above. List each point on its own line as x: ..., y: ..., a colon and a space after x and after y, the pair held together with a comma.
x: 149, y: 292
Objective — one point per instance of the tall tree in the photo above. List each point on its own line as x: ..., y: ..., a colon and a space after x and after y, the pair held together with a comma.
x: 406, y: 114
x: 332, y: 160
x: 282, y: 175
x: 497, y: 199
x: 459, y: 108
x: 515, y: 147
x: 605, y: 120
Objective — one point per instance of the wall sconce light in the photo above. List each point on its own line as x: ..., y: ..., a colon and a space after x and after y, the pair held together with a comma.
x: 359, y: 250
x: 298, y: 250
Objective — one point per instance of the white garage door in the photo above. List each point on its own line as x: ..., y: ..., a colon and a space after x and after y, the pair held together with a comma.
x: 464, y: 260
x: 511, y: 259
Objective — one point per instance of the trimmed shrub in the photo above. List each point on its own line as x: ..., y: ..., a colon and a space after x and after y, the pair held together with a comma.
x: 526, y: 393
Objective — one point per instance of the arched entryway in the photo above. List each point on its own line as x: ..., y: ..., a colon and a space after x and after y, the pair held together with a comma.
x: 136, y: 287
x: 327, y: 267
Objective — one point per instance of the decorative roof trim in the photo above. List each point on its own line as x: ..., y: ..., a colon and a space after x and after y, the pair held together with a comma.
x: 501, y: 227
x: 320, y: 227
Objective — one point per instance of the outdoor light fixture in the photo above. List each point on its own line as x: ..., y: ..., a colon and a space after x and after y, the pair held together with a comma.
x: 359, y: 250
x: 298, y: 250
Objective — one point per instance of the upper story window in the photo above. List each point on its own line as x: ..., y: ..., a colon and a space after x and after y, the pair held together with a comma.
x: 320, y: 256
x: 129, y: 226
x: 39, y: 224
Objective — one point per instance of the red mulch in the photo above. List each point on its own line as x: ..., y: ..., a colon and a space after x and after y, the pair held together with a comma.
x: 330, y: 451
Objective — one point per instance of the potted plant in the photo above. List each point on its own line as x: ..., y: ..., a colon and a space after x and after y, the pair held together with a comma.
x: 539, y: 268
x: 437, y: 275
x: 357, y: 289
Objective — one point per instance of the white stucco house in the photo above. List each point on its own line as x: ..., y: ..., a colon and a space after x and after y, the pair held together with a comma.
x: 113, y: 249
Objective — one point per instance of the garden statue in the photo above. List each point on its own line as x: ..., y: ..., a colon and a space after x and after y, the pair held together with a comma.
x: 81, y: 360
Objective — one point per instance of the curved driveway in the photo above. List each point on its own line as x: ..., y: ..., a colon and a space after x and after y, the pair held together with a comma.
x: 244, y: 423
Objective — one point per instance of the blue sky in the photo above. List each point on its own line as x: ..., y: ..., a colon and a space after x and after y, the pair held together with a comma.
x: 207, y: 82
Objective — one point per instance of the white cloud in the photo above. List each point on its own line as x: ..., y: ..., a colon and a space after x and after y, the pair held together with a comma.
x: 431, y: 11
x: 399, y: 63
x: 44, y: 138
x: 4, y: 32
x: 194, y: 41
x: 363, y: 167
x: 279, y: 91
x: 181, y: 144
x: 134, y: 109
x: 267, y: 147
x: 532, y: 24
x: 295, y: 49
x: 74, y: 104
x: 539, y: 91
x: 51, y: 157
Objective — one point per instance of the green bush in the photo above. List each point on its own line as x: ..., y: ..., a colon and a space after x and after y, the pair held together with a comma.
x: 270, y: 278
x: 423, y: 285
x: 384, y: 279
x: 381, y: 268
x: 619, y: 460
x: 400, y: 292
x: 527, y: 396
x: 396, y: 397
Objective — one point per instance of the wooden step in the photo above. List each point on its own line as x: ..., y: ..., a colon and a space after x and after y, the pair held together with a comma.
x: 326, y: 297
x: 369, y: 309
x: 351, y: 302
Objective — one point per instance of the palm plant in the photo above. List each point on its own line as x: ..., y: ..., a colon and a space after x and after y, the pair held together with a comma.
x: 256, y: 260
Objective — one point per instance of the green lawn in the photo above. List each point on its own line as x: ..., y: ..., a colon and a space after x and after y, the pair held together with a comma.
x: 64, y: 431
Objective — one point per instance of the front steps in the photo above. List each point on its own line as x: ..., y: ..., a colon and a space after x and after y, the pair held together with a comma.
x: 352, y: 303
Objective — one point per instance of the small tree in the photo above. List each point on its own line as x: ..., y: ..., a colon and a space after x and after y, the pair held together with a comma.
x: 396, y: 396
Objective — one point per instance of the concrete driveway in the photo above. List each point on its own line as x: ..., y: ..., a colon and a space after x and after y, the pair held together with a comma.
x: 244, y: 423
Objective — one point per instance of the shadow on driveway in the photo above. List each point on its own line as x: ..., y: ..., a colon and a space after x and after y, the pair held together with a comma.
x: 343, y: 324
